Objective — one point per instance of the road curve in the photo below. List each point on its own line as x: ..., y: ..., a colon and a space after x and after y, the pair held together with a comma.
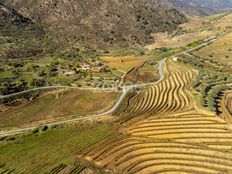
x: 85, y: 88
x: 125, y: 90
x: 55, y: 87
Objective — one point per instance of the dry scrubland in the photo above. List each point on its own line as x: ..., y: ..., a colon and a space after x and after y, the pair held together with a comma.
x: 163, y: 131
x: 56, y: 105
x: 197, y: 28
x: 220, y: 51
x: 165, y: 40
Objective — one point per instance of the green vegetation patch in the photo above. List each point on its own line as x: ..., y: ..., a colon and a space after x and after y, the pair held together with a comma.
x: 209, y: 82
x: 5, y: 74
x: 77, y: 169
x: 158, y: 54
x: 39, y: 153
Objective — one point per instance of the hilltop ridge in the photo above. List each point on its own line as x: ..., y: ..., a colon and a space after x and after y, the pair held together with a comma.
x: 101, y: 22
x: 198, y: 7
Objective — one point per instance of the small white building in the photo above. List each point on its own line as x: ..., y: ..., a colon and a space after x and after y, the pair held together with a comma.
x: 175, y: 58
x: 85, y: 67
x: 68, y: 73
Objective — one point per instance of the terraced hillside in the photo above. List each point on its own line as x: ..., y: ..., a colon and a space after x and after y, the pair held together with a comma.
x: 226, y: 106
x: 174, y: 136
x: 228, y: 102
x: 171, y: 95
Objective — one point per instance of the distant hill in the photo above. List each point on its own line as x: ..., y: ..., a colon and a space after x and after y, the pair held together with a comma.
x: 15, y: 24
x: 19, y: 35
x: 199, y: 7
x: 101, y: 23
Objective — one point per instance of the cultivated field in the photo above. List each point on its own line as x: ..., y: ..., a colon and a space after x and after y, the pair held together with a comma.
x: 148, y: 102
x: 228, y: 101
x: 226, y: 107
x: 123, y: 63
x: 164, y: 132
x: 52, y: 151
x: 144, y: 73
x: 56, y: 105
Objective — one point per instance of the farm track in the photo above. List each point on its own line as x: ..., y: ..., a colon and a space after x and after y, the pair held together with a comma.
x: 162, y: 131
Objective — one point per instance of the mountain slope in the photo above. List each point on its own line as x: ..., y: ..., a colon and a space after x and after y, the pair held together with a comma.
x: 101, y: 22
x: 199, y: 7
x: 17, y: 33
x: 14, y: 24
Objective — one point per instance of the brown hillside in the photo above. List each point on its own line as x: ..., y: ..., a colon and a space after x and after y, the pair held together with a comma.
x: 101, y: 22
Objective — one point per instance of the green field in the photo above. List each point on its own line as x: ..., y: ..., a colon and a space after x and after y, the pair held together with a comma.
x: 40, y: 153
x: 5, y: 74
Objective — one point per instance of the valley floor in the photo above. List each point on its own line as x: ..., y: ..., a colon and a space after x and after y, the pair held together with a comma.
x: 154, y: 127
x: 158, y: 129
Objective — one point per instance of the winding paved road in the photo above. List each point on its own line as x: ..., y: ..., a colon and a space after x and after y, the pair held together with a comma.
x: 55, y: 87
x: 125, y: 90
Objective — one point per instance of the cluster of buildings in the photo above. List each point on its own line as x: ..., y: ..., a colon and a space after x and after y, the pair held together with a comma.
x: 83, y: 68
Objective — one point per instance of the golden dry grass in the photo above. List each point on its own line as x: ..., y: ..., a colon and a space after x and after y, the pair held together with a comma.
x: 165, y: 40
x: 224, y: 22
x: 198, y: 28
x: 220, y: 51
x: 226, y: 107
x: 123, y: 63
